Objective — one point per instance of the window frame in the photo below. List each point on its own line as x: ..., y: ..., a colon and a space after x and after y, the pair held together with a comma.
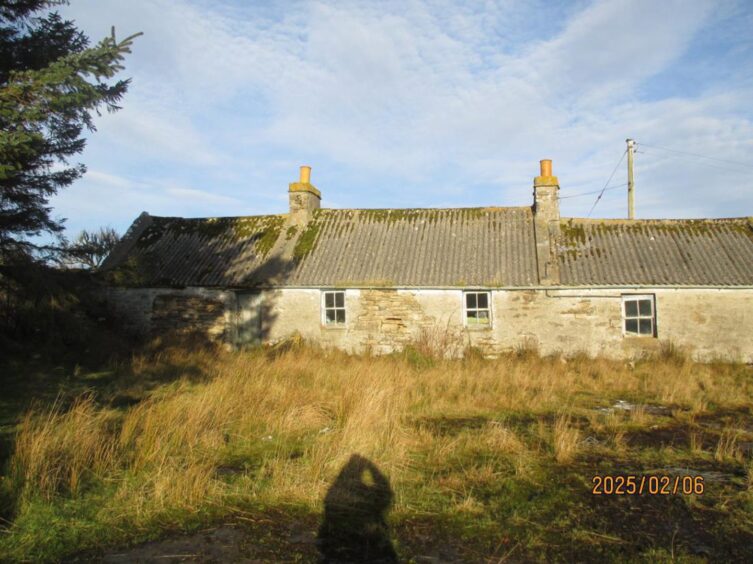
x: 335, y: 308
x: 637, y: 298
x: 488, y: 309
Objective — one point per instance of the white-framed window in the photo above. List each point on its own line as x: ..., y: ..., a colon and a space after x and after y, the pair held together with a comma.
x: 639, y: 315
x: 333, y: 308
x: 477, y: 309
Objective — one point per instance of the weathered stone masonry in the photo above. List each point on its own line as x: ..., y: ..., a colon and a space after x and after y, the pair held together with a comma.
x: 707, y: 323
x: 157, y: 311
x: 390, y: 320
x: 554, y: 284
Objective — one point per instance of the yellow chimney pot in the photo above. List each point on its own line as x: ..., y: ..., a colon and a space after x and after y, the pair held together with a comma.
x: 304, y: 183
x: 305, y: 175
x: 545, y: 177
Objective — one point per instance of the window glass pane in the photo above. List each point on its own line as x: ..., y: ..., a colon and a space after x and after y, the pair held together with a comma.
x: 471, y: 315
x: 631, y: 325
x: 483, y: 316
x: 329, y: 315
x: 645, y: 307
x: 645, y: 327
x: 340, y: 299
x: 483, y: 300
x: 329, y: 299
x: 340, y: 315
x: 631, y: 308
x: 470, y: 301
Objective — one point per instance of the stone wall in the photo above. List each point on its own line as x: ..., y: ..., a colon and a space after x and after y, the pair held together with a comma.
x: 707, y: 323
x: 189, y: 314
x: 158, y: 311
x: 390, y: 320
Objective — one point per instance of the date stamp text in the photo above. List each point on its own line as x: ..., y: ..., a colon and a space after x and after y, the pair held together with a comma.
x: 646, y: 485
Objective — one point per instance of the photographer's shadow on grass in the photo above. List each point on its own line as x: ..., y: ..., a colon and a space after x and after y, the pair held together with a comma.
x: 355, y: 516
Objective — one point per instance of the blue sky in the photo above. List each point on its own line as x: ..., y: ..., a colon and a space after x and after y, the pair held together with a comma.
x: 419, y: 104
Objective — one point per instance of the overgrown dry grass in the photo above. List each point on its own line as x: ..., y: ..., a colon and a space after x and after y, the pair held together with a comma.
x: 455, y: 437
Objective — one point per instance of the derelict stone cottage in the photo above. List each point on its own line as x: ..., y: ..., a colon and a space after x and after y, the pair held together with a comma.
x: 494, y: 278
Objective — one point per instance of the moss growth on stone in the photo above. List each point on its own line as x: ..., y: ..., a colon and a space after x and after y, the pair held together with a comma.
x: 290, y: 233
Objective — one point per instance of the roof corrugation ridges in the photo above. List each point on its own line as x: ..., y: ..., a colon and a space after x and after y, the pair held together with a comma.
x: 428, y: 247
x: 656, y: 252
x: 483, y: 247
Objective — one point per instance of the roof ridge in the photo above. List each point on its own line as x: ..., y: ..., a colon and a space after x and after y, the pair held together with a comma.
x: 617, y: 220
x: 430, y: 209
x: 334, y: 210
x: 207, y: 218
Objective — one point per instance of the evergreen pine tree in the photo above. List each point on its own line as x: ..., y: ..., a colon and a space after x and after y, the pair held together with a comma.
x: 51, y: 81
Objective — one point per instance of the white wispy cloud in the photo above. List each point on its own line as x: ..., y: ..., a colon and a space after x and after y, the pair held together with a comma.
x: 200, y: 197
x: 421, y: 103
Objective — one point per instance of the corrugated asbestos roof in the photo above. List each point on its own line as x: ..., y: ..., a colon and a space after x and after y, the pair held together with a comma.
x: 703, y: 252
x: 471, y: 247
x: 424, y: 247
x: 171, y: 251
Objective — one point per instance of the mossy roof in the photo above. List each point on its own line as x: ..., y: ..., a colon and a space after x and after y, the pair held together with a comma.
x: 463, y: 247
x: 689, y: 252
x: 417, y: 247
x: 174, y: 251
x: 399, y: 247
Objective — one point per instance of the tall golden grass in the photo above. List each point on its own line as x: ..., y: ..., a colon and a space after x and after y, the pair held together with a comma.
x: 287, y: 423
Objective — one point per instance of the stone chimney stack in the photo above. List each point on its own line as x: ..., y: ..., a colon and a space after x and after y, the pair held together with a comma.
x: 546, y: 216
x: 304, y: 198
x: 546, y: 189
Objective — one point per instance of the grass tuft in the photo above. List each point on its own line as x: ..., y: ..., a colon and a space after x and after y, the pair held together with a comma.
x: 566, y: 439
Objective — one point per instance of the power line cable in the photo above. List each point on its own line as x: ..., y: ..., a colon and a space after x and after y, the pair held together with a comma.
x: 607, y: 183
x: 592, y: 192
x: 737, y: 163
x: 687, y: 159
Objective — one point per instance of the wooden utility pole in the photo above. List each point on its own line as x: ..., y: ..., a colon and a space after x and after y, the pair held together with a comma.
x: 631, y: 194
